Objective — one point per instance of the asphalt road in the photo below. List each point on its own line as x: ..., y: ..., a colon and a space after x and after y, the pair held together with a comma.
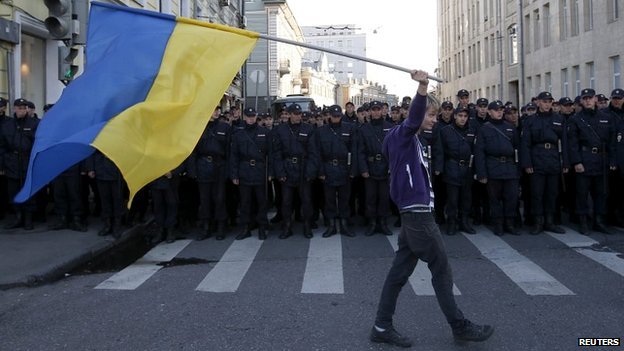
x: 540, y: 294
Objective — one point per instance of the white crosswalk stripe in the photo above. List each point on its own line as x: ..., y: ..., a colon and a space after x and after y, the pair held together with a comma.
x: 522, y: 271
x: 323, y: 273
x: 583, y: 245
x: 228, y: 273
x: 137, y: 273
x: 420, y: 280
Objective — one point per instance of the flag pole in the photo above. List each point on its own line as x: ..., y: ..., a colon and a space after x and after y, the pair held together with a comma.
x: 336, y: 52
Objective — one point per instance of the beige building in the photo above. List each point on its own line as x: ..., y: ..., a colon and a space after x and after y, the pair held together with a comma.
x: 561, y: 46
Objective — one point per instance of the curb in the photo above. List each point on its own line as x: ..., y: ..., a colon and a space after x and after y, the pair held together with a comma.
x: 55, y: 273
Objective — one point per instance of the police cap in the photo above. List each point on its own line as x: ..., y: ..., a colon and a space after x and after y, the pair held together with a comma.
x: 617, y: 93
x: 589, y: 92
x: 495, y: 105
x: 566, y: 101
x: 250, y: 112
x: 482, y: 102
x: 294, y: 108
x: 335, y: 110
x: 461, y: 108
x: 462, y: 93
x: 602, y: 97
x: 20, y: 102
x: 375, y: 104
x: 447, y: 104
x: 531, y: 106
x: 544, y: 95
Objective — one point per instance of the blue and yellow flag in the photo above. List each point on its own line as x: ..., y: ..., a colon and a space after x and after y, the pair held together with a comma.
x: 149, y: 88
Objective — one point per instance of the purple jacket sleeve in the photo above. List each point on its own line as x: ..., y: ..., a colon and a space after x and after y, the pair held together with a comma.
x: 416, y: 113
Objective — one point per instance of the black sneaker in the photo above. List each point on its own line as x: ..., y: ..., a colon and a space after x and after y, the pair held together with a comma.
x: 473, y: 332
x: 390, y: 336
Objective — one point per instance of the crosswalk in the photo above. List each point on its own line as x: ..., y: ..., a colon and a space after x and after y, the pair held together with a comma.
x: 324, y: 268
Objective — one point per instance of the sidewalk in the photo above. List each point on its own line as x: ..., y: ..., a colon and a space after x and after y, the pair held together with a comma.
x: 37, y: 256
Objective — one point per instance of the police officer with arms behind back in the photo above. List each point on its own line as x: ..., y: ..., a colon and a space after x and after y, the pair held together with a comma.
x: 336, y: 145
x: 373, y: 166
x: 543, y: 157
x: 292, y: 143
x: 591, y: 140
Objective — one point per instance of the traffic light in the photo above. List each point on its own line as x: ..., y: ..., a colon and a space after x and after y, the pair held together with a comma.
x: 60, y: 23
x: 66, y: 67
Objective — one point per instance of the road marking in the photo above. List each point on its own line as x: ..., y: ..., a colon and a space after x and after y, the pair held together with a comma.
x: 228, y: 273
x: 420, y: 280
x: 323, y: 273
x: 140, y: 271
x: 524, y: 272
x: 582, y: 244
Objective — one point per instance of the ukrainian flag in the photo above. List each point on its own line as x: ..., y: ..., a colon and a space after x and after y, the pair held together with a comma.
x: 149, y: 88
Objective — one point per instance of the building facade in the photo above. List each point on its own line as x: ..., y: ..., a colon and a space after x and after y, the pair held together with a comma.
x: 317, y: 82
x: 513, y: 49
x: 344, y: 38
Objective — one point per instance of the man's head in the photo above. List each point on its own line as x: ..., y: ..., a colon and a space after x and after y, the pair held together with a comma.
x: 31, y: 108
x: 375, y: 109
x: 349, y: 108
x: 588, y: 98
x: 544, y: 101
x: 446, y: 111
x: 531, y: 109
x: 335, y: 113
x: 617, y: 98
x: 566, y: 105
x: 295, y: 112
x: 461, y: 116
x: 395, y: 113
x: 20, y: 106
x: 495, y: 110
x: 251, y: 117
x: 602, y: 101
x: 511, y: 114
x: 463, y: 96
x: 3, y: 105
x: 482, y: 106
x: 431, y: 114
x: 216, y: 113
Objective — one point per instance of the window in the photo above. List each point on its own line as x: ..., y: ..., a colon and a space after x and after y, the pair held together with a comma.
x: 536, y: 30
x: 33, y: 69
x: 574, y: 18
x: 564, y: 82
x: 538, y: 84
x: 527, y: 34
x: 563, y: 19
x: 617, y: 72
x: 478, y: 56
x: 591, y: 74
x: 588, y: 13
x: 546, y: 24
x: 547, y: 82
x: 513, y: 44
x: 486, y: 53
x: 493, y: 51
x: 529, y: 84
x: 577, y: 79
x: 613, y: 10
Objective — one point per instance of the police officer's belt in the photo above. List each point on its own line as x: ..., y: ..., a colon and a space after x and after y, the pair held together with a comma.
x: 336, y: 161
x: 593, y: 150
x: 546, y: 146
x: 502, y: 159
x: 461, y: 162
x: 376, y: 157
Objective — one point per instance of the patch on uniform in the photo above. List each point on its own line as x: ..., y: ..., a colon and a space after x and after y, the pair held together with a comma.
x: 557, y: 123
x: 603, y: 121
x: 261, y: 135
x: 509, y: 130
x: 346, y: 134
x: 26, y: 129
x: 619, y: 138
x: 428, y: 131
x: 386, y: 129
x: 220, y: 133
x: 302, y: 134
x: 470, y: 135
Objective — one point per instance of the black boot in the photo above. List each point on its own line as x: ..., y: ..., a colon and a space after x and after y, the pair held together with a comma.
x: 28, y: 224
x: 220, y: 230
x: 498, y: 226
x: 344, y: 228
x: 286, y: 230
x: 277, y: 218
x: 307, y: 232
x: 599, y: 225
x: 160, y: 236
x: 61, y: 224
x: 549, y: 225
x: 383, y: 226
x: 170, y: 235
x: 116, y: 229
x: 206, y: 231
x: 372, y: 228
x: 77, y: 224
x: 107, y: 227
x: 331, y: 229
x: 583, y: 226
x: 451, y: 226
x: 538, y: 225
x: 509, y: 227
x: 464, y: 225
x: 262, y: 232
x: 244, y: 233
x: 17, y: 223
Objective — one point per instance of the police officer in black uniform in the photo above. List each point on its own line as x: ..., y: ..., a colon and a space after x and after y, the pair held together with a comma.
x: 336, y: 160
x: 496, y: 166
x: 208, y: 165
x: 592, y: 141
x: 67, y: 201
x: 249, y: 169
x: 453, y: 162
x: 292, y: 142
x: 4, y: 196
x: 615, y: 197
x: 445, y: 118
x: 16, y: 141
x: 543, y: 158
x: 567, y: 190
x: 165, y: 200
x: 480, y: 199
x: 373, y: 166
